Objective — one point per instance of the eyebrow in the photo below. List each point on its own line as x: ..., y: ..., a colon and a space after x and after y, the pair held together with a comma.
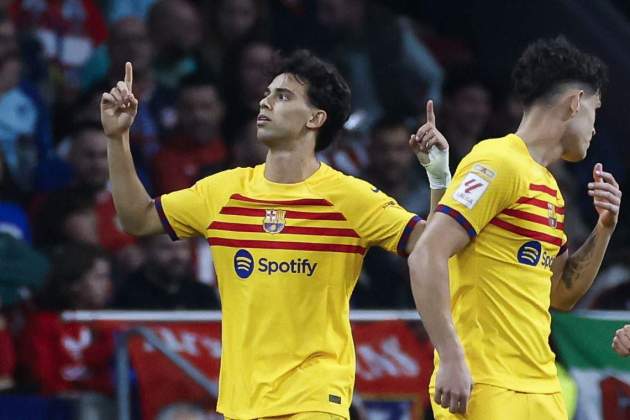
x: 280, y: 90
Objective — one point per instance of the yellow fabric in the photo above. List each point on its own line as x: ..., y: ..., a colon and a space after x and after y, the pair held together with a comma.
x: 570, y: 392
x: 301, y: 416
x: 493, y: 403
x: 501, y: 281
x: 287, y: 345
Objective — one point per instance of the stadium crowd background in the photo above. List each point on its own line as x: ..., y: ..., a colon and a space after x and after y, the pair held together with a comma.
x: 199, y: 73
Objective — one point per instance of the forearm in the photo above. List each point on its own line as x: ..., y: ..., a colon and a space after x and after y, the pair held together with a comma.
x: 436, y: 196
x: 581, y: 268
x: 130, y: 197
x: 430, y: 288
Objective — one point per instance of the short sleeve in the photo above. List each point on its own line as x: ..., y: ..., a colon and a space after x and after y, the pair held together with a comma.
x: 378, y: 218
x: 484, y: 184
x: 184, y: 213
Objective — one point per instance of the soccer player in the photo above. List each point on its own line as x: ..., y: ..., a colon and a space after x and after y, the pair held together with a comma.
x: 621, y: 341
x: 288, y: 238
x: 502, y: 222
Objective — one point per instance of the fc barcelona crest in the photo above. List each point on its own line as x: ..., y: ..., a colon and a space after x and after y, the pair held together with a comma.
x: 274, y: 221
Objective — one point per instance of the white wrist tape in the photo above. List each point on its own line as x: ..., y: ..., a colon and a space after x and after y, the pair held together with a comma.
x: 437, y: 169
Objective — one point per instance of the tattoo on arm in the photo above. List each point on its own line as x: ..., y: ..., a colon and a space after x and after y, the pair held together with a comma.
x: 579, y: 260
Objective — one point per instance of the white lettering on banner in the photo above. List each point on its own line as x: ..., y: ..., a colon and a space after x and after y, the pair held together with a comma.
x: 75, y: 346
x: 187, y: 342
x: 388, y: 359
x: 213, y: 346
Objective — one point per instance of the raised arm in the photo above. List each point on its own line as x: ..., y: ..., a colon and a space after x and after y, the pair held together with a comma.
x: 573, y: 274
x: 135, y: 208
x: 428, y: 267
x: 431, y: 149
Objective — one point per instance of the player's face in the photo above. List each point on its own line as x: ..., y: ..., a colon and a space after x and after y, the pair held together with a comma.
x: 581, y: 128
x: 284, y: 111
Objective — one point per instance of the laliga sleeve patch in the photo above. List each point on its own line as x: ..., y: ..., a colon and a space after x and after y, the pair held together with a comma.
x: 470, y: 190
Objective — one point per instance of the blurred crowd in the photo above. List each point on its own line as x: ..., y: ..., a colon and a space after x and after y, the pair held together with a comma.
x: 199, y: 73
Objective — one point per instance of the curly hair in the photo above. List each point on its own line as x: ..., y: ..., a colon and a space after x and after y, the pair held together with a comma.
x: 325, y: 88
x: 546, y: 64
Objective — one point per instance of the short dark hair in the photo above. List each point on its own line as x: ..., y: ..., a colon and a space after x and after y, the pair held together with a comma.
x: 326, y: 89
x: 69, y: 263
x: 546, y: 64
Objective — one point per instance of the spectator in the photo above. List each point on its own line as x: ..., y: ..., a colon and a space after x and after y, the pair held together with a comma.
x: 85, y: 204
x: 166, y: 280
x: 467, y: 108
x: 22, y: 129
x: 60, y: 357
x: 196, y: 148
x: 386, y: 65
x: 232, y: 23
x: 130, y: 41
x: 175, y: 30
x: 245, y: 81
x: 392, y: 168
x: 68, y: 31
x: 13, y: 219
x: 22, y: 271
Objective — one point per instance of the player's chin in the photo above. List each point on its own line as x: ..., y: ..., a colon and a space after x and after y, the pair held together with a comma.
x: 577, y: 155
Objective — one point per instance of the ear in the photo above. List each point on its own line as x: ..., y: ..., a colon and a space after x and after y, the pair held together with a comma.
x: 575, y: 102
x: 317, y: 120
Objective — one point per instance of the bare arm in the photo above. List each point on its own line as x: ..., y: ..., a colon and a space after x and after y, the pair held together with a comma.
x: 573, y: 275
x: 135, y: 208
x: 428, y: 264
x: 436, y: 196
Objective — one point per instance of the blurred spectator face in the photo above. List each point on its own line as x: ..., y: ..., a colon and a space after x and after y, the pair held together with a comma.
x: 389, y: 153
x: 171, y: 260
x: 255, y: 58
x: 248, y: 150
x: 200, y: 112
x: 8, y: 40
x: 129, y: 41
x: 10, y: 62
x: 175, y: 27
x: 339, y: 15
x: 88, y: 157
x: 94, y: 289
x: 469, y: 109
x: 81, y: 226
x: 236, y: 18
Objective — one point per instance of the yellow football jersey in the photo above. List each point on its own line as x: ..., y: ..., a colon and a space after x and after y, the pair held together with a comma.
x: 287, y: 258
x: 500, y: 282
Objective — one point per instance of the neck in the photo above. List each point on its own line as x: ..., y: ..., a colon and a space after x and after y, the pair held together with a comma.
x: 289, y: 165
x: 542, y: 134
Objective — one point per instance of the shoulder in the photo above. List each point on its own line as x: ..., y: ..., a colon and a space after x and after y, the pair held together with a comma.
x: 338, y: 184
x: 497, y: 157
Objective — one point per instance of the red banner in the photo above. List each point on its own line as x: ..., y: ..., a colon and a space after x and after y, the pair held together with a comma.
x: 394, y: 364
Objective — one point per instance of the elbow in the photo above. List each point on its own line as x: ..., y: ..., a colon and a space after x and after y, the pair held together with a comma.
x: 563, y: 305
x: 417, y: 265
x: 131, y: 228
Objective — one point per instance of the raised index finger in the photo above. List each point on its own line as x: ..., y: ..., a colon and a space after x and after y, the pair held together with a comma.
x: 128, y: 75
x: 430, y: 113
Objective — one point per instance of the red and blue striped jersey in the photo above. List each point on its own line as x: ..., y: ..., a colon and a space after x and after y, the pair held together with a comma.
x: 287, y: 258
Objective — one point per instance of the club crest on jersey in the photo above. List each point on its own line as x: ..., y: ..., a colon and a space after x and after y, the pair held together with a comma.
x: 274, y: 221
x: 551, y: 215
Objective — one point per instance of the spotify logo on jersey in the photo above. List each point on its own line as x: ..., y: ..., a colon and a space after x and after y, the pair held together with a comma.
x: 243, y: 263
x: 529, y: 253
